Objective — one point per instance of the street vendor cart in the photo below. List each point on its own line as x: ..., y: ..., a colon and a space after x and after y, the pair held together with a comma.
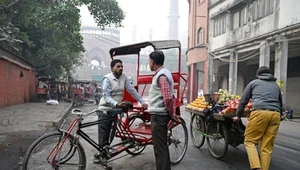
x: 216, y: 126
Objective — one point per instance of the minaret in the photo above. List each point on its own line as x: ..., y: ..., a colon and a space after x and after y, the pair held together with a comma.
x: 173, y: 20
x: 133, y: 34
x: 150, y: 34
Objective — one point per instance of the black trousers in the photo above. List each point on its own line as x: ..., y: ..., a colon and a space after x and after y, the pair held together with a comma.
x: 159, y: 127
x: 105, y: 131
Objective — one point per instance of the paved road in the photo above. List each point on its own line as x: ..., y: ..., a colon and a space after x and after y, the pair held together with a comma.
x: 285, y: 155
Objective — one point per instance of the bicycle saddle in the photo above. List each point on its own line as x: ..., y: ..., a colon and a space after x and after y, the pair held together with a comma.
x: 115, y: 111
x: 76, y: 110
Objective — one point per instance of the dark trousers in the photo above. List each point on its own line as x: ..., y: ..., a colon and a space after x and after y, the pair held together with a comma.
x: 159, y: 127
x: 104, y: 130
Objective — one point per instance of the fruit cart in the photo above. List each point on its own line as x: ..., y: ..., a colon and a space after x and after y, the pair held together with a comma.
x: 213, y: 120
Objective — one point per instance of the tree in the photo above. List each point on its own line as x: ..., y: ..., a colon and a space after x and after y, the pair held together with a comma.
x: 47, y: 32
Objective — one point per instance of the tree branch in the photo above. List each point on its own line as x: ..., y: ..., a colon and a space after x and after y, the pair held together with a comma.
x: 13, y: 3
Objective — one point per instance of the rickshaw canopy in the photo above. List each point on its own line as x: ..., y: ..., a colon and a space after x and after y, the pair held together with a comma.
x: 136, y: 48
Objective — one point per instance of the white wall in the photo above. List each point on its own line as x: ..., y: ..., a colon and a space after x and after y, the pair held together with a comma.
x: 289, y: 13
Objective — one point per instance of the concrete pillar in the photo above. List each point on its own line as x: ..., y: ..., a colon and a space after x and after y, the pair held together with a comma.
x: 193, y: 81
x: 229, y: 25
x: 281, y: 61
x: 210, y: 73
x: 233, y: 65
x: 205, y: 77
x: 264, y: 55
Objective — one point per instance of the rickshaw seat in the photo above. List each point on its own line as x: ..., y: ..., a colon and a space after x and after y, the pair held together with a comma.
x: 41, y: 90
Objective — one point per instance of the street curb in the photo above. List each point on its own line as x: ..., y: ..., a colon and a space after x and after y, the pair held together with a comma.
x: 58, y: 121
x: 294, y: 121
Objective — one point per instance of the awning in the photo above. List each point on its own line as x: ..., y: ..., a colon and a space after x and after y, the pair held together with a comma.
x: 136, y: 48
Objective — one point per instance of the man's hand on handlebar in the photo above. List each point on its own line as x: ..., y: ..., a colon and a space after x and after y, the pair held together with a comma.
x: 122, y: 105
x: 145, y: 106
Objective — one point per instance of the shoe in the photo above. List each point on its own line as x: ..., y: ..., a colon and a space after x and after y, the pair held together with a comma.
x: 99, y: 159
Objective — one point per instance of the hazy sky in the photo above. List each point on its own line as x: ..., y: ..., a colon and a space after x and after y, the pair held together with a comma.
x: 146, y: 15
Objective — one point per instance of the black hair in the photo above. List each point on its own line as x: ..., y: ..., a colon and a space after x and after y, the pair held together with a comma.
x: 158, y: 57
x: 114, y: 62
x: 263, y: 69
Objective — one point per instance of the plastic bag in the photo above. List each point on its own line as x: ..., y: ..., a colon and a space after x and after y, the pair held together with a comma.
x: 52, y: 102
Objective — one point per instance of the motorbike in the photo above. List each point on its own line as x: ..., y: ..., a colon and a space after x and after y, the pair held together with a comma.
x: 98, y: 95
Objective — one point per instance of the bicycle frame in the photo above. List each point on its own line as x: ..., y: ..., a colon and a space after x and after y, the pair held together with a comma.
x: 122, y: 128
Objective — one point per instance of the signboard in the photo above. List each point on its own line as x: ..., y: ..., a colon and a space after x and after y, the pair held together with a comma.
x: 97, y: 77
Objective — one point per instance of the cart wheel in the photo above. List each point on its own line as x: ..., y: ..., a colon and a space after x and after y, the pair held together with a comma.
x: 178, y: 141
x: 217, y: 139
x: 197, y: 130
x: 135, y: 120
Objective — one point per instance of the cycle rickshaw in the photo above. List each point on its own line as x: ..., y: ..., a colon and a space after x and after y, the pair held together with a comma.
x: 80, y: 98
x: 133, y: 128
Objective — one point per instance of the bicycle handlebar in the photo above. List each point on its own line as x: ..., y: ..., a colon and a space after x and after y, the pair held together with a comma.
x: 78, y: 112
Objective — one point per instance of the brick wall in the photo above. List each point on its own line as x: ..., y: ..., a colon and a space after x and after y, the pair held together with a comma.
x: 13, y: 88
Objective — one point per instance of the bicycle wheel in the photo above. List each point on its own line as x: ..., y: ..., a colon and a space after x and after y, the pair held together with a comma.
x: 135, y: 120
x: 70, y: 157
x: 197, y: 130
x: 217, y: 139
x: 178, y: 141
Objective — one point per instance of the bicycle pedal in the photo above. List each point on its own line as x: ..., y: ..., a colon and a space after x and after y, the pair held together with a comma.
x: 107, y: 166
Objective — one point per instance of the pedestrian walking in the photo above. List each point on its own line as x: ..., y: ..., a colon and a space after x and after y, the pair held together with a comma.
x: 264, y: 119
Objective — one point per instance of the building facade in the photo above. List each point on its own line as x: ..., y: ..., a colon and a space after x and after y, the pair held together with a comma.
x: 97, y: 44
x: 197, y: 54
x: 246, y: 34
x: 239, y: 36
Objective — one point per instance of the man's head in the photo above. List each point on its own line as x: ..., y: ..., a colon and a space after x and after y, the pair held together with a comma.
x: 263, y: 69
x: 156, y: 60
x: 116, y: 67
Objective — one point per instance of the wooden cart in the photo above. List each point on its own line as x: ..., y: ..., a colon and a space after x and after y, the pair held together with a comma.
x: 215, y: 127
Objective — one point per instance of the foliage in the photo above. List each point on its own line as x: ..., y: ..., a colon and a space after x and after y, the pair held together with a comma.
x: 47, y: 32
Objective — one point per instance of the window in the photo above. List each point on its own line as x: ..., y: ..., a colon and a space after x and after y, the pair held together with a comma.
x: 200, y: 35
x: 255, y: 10
x: 243, y: 17
x: 269, y: 7
x: 200, y: 1
x: 219, y: 26
x: 236, y: 20
x: 262, y: 8
x: 239, y: 18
